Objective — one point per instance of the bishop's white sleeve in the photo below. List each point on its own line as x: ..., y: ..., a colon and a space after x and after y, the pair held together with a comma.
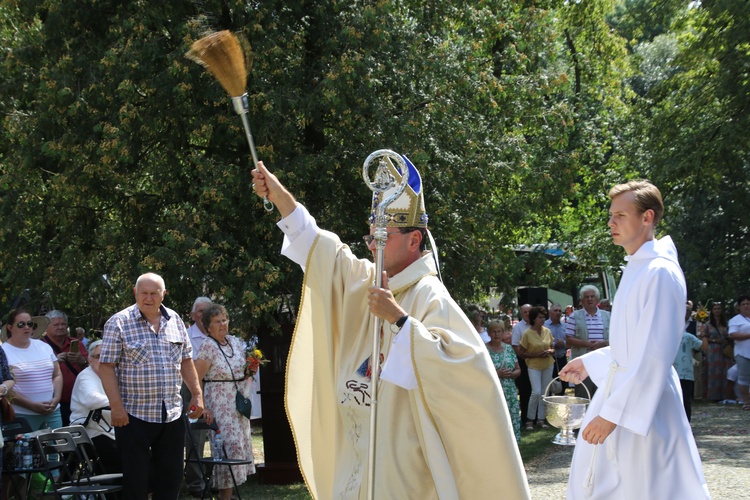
x: 398, y: 368
x: 300, y: 230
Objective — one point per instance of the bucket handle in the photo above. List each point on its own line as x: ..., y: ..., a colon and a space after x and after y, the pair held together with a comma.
x: 546, y: 391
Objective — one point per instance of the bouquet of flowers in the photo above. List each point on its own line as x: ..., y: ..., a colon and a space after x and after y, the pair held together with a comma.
x: 253, y: 359
x: 701, y: 315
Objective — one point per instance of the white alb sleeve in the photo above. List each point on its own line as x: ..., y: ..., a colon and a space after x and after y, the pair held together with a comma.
x: 300, y: 230
x: 398, y: 368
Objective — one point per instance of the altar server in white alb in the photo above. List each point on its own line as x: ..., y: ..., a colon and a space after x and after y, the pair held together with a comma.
x: 635, y: 442
x: 443, y: 426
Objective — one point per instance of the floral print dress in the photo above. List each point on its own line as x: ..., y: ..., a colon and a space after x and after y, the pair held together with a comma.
x: 507, y: 360
x: 219, y: 397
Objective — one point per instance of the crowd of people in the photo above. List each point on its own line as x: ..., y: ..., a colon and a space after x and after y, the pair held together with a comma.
x: 721, y: 371
x: 137, y: 387
x: 125, y: 388
x: 536, y: 346
x: 705, y: 362
x: 632, y: 383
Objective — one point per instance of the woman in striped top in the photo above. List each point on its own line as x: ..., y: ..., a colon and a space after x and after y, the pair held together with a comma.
x: 36, y: 395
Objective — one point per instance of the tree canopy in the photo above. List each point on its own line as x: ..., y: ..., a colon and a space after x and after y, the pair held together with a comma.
x: 120, y: 156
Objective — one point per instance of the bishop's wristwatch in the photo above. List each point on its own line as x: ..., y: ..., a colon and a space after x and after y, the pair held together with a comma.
x: 396, y: 327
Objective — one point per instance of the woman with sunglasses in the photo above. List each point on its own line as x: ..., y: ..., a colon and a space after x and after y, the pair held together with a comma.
x: 38, y: 379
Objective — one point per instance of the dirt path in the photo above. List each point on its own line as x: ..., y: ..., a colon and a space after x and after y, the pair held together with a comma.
x: 723, y: 437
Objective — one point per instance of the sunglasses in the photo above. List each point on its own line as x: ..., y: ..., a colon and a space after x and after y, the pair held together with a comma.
x: 30, y: 324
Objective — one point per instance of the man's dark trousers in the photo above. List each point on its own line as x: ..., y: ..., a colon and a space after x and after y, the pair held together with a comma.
x: 152, y: 458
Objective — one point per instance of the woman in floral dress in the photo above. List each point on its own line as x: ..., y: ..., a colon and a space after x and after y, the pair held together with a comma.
x: 508, y: 369
x: 216, y: 355
x: 716, y: 332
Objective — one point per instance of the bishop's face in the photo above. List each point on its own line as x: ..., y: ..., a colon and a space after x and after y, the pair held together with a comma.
x: 396, y: 254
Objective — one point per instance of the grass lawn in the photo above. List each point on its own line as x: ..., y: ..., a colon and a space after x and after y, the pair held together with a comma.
x: 536, y: 443
x: 533, y: 444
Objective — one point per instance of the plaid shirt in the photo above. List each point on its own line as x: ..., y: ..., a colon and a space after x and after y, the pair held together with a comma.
x: 148, y: 365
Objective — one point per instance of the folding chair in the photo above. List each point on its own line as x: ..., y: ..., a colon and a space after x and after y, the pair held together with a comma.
x: 72, y: 480
x: 91, y: 461
x: 15, y: 427
x: 207, y: 464
x: 16, y: 479
x: 10, y: 430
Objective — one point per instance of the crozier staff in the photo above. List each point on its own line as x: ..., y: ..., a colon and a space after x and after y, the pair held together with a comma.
x: 635, y: 441
x: 444, y: 429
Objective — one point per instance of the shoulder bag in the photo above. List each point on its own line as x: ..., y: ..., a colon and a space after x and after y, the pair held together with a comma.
x: 244, y: 405
x: 6, y: 410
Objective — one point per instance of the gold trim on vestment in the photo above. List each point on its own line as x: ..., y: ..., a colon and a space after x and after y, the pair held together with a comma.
x: 286, y: 370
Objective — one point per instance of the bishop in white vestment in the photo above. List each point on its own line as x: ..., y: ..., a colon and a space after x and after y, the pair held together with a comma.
x: 443, y: 425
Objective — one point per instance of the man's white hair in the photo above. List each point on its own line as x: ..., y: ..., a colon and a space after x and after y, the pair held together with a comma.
x: 589, y: 288
x: 199, y: 301
x: 94, y: 345
x: 54, y: 313
x: 151, y: 277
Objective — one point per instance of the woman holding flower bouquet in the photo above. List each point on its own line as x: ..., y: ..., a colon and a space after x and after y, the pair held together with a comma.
x: 222, y: 365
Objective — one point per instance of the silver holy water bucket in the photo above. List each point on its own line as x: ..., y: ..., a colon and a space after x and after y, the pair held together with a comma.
x: 566, y: 413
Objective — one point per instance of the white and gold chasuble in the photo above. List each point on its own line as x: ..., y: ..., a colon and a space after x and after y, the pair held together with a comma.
x: 451, y: 438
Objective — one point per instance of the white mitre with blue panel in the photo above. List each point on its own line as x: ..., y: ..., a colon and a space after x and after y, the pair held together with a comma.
x: 408, y: 209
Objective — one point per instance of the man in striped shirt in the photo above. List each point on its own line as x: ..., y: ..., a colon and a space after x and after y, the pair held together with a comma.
x: 146, y: 355
x: 587, y: 329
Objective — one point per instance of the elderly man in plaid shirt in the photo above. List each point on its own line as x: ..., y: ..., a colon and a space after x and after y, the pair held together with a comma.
x: 145, y: 357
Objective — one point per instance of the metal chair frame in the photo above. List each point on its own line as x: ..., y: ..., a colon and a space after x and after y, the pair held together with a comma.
x: 15, y: 427
x: 73, y: 480
x: 10, y: 430
x: 95, y: 469
x: 206, y: 465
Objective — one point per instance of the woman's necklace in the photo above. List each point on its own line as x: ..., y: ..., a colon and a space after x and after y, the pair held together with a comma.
x: 226, y: 343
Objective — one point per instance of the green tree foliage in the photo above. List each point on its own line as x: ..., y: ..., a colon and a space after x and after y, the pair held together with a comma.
x: 640, y: 21
x: 696, y: 146
x: 120, y: 156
